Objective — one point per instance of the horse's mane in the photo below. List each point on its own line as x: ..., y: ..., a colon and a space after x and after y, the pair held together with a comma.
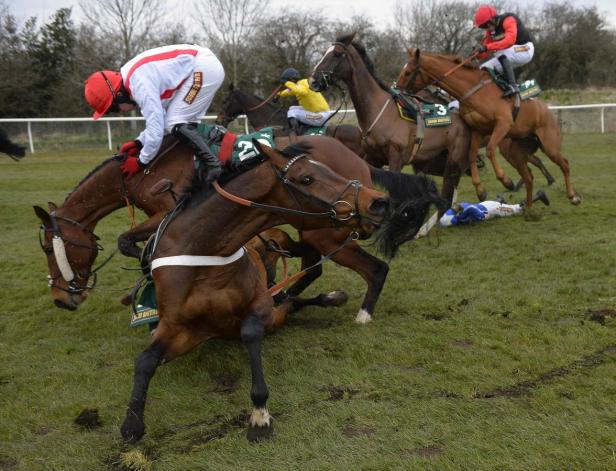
x: 92, y: 172
x: 196, y: 192
x: 361, y: 50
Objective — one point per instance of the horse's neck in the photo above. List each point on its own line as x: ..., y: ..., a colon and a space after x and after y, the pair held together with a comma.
x: 220, y: 227
x: 367, y: 95
x: 456, y: 84
x: 266, y: 115
x: 95, y: 197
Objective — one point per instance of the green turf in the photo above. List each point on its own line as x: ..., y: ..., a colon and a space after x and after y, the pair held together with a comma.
x: 482, y: 354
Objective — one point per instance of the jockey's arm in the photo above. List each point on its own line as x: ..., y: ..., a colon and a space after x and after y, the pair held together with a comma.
x: 510, y: 25
x: 152, y: 136
x: 293, y: 89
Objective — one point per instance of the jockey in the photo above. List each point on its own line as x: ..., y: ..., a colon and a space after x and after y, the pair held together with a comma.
x: 173, y: 86
x: 506, y: 36
x: 313, y: 109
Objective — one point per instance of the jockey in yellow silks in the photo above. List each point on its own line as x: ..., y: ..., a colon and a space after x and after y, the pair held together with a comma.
x: 313, y: 109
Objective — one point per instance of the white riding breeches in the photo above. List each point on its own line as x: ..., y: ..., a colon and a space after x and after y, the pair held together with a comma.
x: 518, y: 55
x: 307, y: 117
x: 193, y: 99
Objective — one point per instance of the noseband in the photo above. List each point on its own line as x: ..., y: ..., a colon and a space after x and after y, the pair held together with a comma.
x: 59, y: 251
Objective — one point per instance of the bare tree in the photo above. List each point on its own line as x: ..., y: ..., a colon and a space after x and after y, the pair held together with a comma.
x: 229, y: 24
x: 132, y: 22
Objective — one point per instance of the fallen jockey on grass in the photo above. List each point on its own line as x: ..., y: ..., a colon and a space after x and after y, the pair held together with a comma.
x: 464, y: 213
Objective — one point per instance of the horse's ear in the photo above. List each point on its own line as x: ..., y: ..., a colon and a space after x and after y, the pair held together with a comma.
x: 266, y: 150
x: 52, y: 205
x: 43, y: 216
x: 417, y: 54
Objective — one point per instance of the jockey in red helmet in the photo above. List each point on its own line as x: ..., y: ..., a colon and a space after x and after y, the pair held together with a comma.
x: 510, y: 42
x: 173, y: 87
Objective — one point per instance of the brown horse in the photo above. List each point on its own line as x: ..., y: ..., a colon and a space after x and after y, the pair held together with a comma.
x: 261, y: 113
x: 199, y: 301
x: 104, y: 190
x: 487, y: 113
x: 388, y: 139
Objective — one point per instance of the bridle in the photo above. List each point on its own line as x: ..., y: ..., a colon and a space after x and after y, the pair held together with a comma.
x: 331, y: 212
x: 67, y: 273
x: 326, y: 78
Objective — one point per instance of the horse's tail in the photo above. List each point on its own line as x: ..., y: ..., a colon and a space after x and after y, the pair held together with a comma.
x: 410, y: 199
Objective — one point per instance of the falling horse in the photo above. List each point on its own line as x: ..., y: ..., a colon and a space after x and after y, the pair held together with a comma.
x: 9, y: 148
x: 488, y: 114
x: 208, y: 286
x: 104, y: 190
x: 262, y: 113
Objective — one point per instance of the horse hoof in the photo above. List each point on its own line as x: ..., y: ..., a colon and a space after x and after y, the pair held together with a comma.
x: 363, y: 317
x: 575, y: 200
x: 336, y: 298
x: 509, y: 184
x: 483, y: 196
x: 260, y: 426
x: 550, y: 181
x: 132, y: 428
x: 518, y: 185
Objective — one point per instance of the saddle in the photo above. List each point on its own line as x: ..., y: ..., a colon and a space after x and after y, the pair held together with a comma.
x: 417, y: 109
x: 528, y: 89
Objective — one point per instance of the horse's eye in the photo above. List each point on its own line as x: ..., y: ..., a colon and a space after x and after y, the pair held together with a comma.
x: 306, y: 180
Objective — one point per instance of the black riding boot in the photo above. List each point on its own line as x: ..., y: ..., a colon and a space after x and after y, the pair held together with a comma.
x: 207, y: 164
x: 512, y: 86
x: 293, y: 127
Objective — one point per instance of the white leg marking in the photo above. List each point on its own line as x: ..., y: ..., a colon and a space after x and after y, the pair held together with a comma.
x: 260, y: 418
x: 363, y: 317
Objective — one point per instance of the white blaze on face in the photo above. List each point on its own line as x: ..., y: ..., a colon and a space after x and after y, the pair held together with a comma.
x: 329, y: 49
x: 61, y: 259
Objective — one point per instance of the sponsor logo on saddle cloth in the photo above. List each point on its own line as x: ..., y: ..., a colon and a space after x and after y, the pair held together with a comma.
x: 434, y: 114
x: 232, y: 149
x: 146, y: 310
x: 528, y: 89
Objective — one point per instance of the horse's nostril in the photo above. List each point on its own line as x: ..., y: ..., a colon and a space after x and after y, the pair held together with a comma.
x: 379, y: 206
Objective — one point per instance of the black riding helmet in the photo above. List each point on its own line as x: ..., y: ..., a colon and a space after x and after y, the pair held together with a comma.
x: 290, y: 74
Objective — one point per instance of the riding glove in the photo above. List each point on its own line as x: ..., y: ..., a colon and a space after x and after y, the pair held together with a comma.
x: 131, y: 148
x: 131, y: 166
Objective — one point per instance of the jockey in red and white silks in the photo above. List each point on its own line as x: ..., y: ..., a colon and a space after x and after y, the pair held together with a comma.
x: 173, y: 87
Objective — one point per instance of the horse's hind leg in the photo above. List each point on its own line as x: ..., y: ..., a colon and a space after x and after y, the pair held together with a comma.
x: 133, y: 426
x: 536, y: 161
x: 550, y: 143
x: 472, y: 159
x: 260, y: 424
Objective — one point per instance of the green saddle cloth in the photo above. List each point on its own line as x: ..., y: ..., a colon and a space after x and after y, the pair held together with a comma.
x: 528, y: 89
x: 242, y: 148
x: 434, y: 114
x: 314, y: 131
x: 146, y: 310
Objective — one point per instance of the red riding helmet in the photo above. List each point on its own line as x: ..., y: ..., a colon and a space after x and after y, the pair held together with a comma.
x: 101, y: 89
x: 484, y: 14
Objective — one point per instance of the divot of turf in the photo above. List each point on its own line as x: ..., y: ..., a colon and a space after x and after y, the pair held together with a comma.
x: 88, y: 419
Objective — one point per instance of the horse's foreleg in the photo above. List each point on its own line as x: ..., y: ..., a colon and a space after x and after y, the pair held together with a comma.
x: 127, y: 242
x: 309, y: 258
x: 260, y: 425
x: 498, y: 133
x: 133, y: 426
x: 476, y: 139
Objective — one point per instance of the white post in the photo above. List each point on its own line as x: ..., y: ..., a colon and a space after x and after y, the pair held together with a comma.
x: 246, y: 124
x: 30, y: 137
x: 602, y: 120
x: 109, y: 135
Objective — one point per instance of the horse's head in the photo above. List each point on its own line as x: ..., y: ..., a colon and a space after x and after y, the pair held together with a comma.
x: 334, y: 65
x: 71, y: 249
x: 311, y: 186
x: 412, y: 77
x: 231, y: 107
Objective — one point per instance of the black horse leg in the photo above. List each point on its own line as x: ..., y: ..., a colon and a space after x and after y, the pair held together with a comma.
x: 309, y: 258
x: 260, y: 425
x: 133, y: 427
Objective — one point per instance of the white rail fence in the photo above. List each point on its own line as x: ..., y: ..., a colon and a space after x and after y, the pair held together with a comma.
x: 108, y: 121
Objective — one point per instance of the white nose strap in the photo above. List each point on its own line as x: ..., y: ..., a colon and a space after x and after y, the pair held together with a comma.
x: 61, y: 259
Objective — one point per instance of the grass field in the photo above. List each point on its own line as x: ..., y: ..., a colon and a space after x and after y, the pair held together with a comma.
x: 493, y: 347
